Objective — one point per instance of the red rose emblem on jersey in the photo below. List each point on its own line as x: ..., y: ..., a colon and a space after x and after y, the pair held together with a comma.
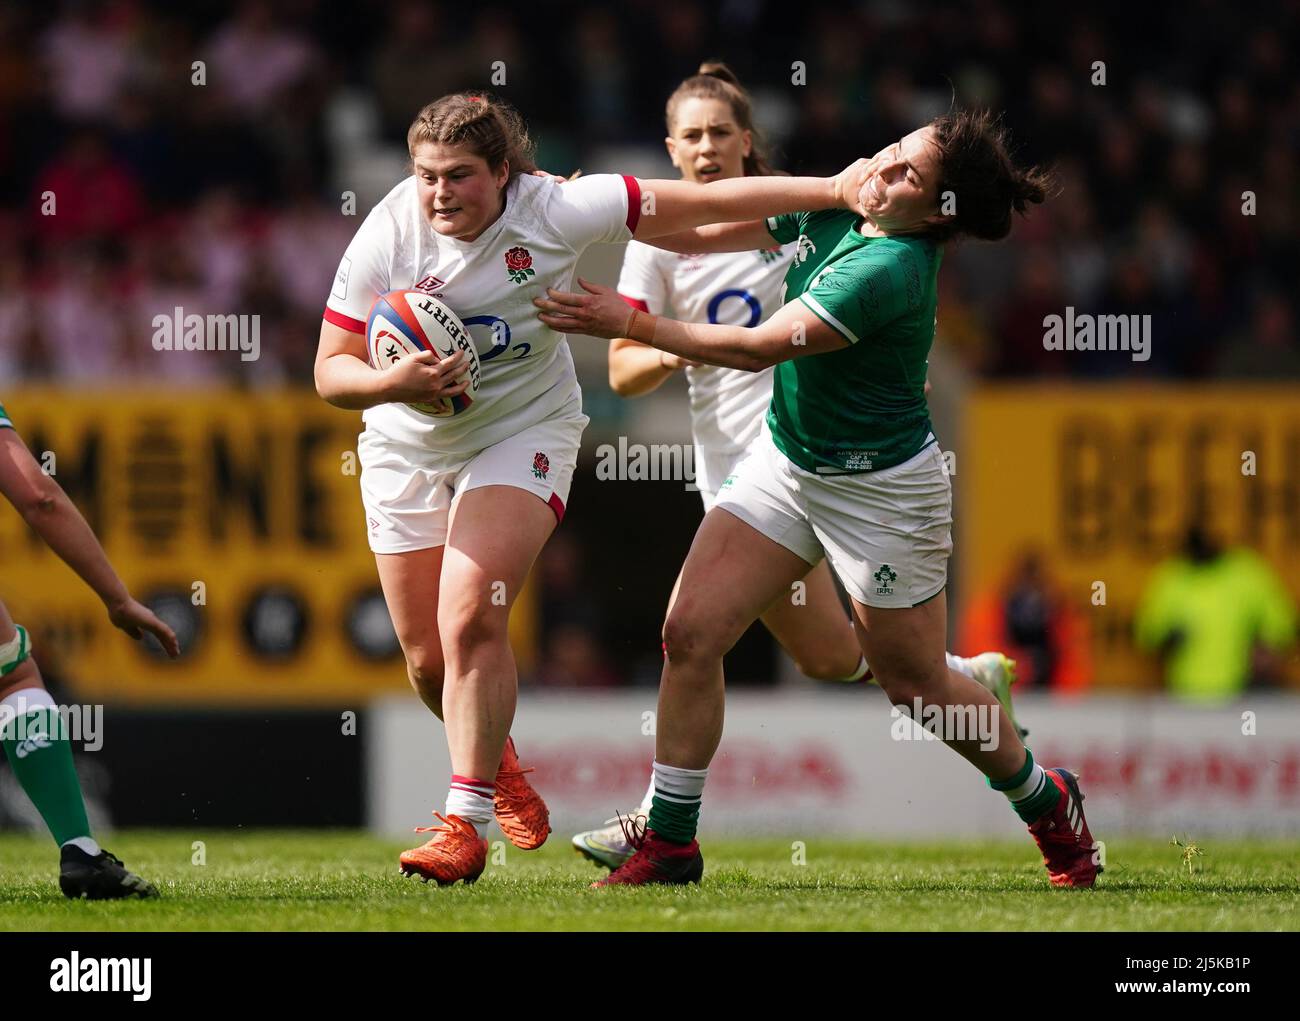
x: 541, y: 465
x: 519, y: 264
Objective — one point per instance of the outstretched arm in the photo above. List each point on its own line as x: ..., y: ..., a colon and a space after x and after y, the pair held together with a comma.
x: 669, y: 207
x: 46, y: 507
x: 717, y: 237
x: 791, y: 332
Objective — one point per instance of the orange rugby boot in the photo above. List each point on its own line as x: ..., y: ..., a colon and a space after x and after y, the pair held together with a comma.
x: 521, y: 813
x: 455, y: 852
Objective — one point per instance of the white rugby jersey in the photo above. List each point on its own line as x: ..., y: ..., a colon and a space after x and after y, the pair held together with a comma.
x: 490, y: 283
x: 733, y: 288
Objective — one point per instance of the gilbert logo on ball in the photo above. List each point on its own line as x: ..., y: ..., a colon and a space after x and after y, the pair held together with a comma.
x: 404, y: 322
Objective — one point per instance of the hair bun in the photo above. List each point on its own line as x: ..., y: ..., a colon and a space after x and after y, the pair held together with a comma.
x: 717, y: 69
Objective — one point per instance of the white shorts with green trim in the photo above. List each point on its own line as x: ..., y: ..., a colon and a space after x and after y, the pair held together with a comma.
x: 888, y: 533
x: 408, y: 490
x: 15, y: 651
x: 711, y: 468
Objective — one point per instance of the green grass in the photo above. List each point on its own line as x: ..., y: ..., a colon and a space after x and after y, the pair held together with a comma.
x: 267, y: 880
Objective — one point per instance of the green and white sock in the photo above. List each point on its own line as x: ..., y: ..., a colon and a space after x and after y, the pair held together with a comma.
x: 1031, y: 791
x: 675, y: 808
x: 40, y: 754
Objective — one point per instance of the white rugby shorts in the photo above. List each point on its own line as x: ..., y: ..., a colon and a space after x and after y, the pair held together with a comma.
x: 888, y: 533
x: 408, y: 490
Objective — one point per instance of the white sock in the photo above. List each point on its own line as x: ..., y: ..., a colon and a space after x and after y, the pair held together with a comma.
x: 859, y: 673
x: 21, y: 702
x: 1032, y: 785
x: 649, y: 794
x: 472, y: 800
x: 85, y: 843
x: 677, y: 784
x: 961, y: 664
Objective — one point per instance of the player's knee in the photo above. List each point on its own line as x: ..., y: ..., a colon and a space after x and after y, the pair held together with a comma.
x: 425, y: 668
x: 687, y: 636
x: 821, y: 667
x: 474, y: 627
x: 829, y: 662
x: 904, y: 682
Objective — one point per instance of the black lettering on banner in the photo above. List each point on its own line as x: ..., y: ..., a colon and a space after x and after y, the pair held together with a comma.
x: 313, y: 509
x: 1089, y: 464
x: 1146, y: 502
x: 1202, y: 496
x: 236, y: 487
x: 1274, y: 494
x: 156, y: 473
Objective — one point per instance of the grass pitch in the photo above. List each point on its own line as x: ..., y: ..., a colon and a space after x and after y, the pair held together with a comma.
x: 269, y: 880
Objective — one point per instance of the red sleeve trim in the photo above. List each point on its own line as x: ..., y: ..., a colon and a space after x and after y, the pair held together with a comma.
x: 633, y: 202
x: 636, y: 303
x: 344, y: 322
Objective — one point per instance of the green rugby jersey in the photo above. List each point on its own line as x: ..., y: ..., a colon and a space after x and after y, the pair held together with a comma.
x: 861, y: 408
x: 5, y: 422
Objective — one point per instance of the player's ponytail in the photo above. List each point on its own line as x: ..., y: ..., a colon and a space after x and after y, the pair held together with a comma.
x: 487, y: 126
x: 985, y: 183
x: 715, y: 80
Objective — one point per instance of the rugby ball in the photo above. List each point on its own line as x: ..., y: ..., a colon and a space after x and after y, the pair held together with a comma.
x: 404, y: 322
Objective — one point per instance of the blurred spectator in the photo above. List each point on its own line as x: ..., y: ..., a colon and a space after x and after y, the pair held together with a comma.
x: 86, y: 192
x: 1269, y: 349
x: 420, y: 58
x: 571, y: 618
x: 1177, y: 184
x: 1029, y: 619
x: 88, y: 57
x: 254, y: 61
x: 1219, y: 620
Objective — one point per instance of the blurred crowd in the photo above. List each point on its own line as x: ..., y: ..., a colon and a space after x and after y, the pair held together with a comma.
x: 198, y: 156
x: 195, y: 154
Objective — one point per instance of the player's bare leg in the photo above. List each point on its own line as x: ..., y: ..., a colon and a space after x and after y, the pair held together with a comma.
x: 483, y: 571
x: 410, y: 583
x: 811, y: 625
x: 40, y: 756
x: 905, y: 648
x: 731, y: 575
x: 413, y: 585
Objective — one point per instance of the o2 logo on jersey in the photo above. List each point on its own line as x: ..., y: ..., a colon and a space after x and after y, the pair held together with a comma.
x: 755, y: 309
x: 500, y: 338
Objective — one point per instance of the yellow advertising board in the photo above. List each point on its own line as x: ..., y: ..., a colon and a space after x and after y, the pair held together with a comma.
x: 239, y: 518
x: 1103, y: 481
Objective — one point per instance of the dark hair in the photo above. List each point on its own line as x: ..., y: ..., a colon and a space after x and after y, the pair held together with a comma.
x: 716, y: 80
x: 985, y: 182
x: 489, y: 127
